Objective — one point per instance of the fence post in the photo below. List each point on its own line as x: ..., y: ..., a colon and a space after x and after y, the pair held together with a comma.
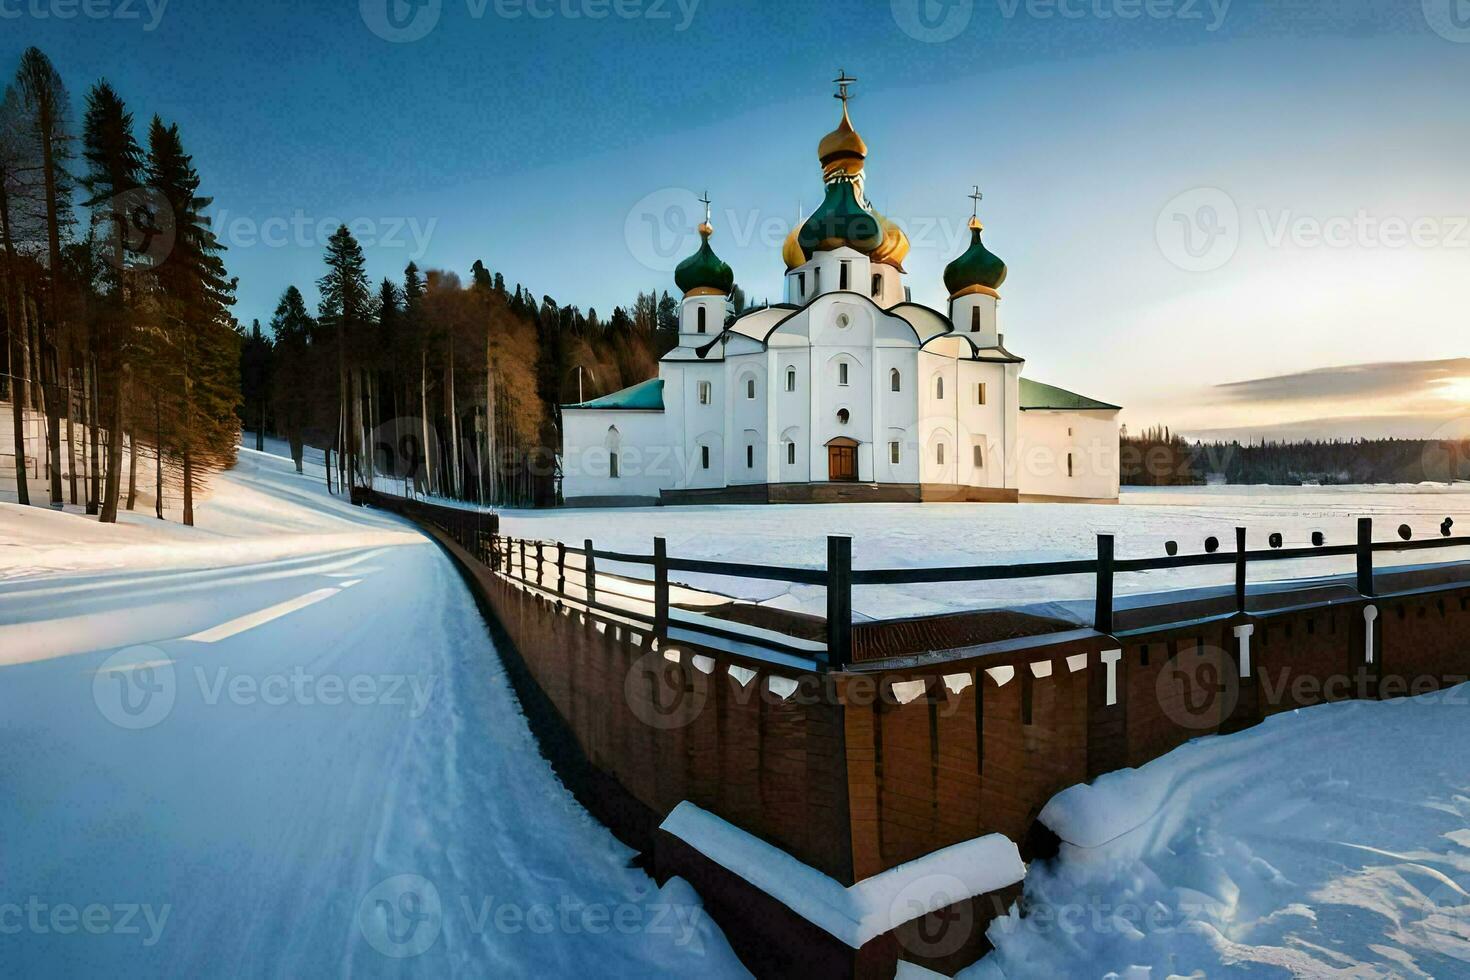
x: 561, y: 568
x: 540, y: 565
x: 1365, y: 556
x: 660, y: 588
x: 523, y: 560
x: 1240, y: 569
x: 589, y: 573
x: 839, y: 602
x: 1102, y: 617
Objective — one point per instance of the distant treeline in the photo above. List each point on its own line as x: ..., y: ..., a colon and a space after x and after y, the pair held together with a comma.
x: 1158, y: 457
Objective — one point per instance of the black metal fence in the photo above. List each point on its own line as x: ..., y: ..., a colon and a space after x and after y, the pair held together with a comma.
x: 479, y: 533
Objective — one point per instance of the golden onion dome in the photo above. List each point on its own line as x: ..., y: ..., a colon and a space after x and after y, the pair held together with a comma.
x: 895, y: 247
x: 842, y: 151
x: 791, y: 252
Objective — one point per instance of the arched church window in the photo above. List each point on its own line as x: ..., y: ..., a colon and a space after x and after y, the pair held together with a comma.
x: 877, y: 285
x: 939, y: 453
x: 701, y: 317
x: 939, y: 387
x: 895, y: 380
x: 843, y: 416
x: 791, y: 379
x: 842, y: 373
x: 791, y: 453
x: 614, y: 464
x: 750, y: 388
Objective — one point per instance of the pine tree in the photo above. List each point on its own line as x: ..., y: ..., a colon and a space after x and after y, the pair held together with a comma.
x: 47, y: 114
x: 17, y: 171
x: 256, y: 361
x: 344, y: 310
x: 114, y: 169
x: 292, y: 381
x: 194, y: 296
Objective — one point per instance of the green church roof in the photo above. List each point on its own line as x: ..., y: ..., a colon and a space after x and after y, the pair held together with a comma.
x: 645, y: 397
x: 704, y: 270
x: 1036, y: 396
x: 840, y: 220
x: 978, y: 266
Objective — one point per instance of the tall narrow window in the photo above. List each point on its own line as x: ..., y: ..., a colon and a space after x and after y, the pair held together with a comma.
x: 1069, y: 464
x: 612, y: 466
x: 750, y: 388
x: 706, y: 393
x: 939, y: 454
x: 750, y: 457
x: 939, y: 388
x: 817, y: 280
x: 877, y: 285
x: 704, y: 457
x: 701, y: 319
x: 791, y: 379
x: 974, y: 319
x: 980, y: 393
x: 979, y: 456
x: 895, y: 380
x: 842, y: 274
x: 893, y: 453
x: 791, y: 453
x: 842, y: 373
x: 801, y: 285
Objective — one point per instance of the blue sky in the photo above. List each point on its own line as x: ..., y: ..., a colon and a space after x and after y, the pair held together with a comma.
x: 1188, y: 193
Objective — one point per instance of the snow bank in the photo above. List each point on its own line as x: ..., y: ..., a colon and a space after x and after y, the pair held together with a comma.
x: 1331, y: 840
x: 872, y: 906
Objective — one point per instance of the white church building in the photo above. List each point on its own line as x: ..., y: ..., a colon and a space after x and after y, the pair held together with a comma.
x: 846, y: 391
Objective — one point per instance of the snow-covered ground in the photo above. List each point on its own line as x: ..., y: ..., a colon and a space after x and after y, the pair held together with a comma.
x: 1328, y: 842
x: 909, y: 535
x: 281, y: 743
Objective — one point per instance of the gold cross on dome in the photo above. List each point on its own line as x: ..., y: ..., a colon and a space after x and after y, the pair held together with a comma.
x: 842, y: 81
x: 977, y: 197
x: 706, y: 202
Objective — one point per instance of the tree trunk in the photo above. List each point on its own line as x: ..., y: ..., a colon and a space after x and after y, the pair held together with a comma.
x: 95, y: 413
x: 157, y: 455
x: 89, y: 437
x: 20, y: 395
x: 114, y: 452
x: 455, y: 476
x: 188, y: 489
x: 71, y: 443
x: 50, y: 406
x: 132, y: 469
x: 424, y: 421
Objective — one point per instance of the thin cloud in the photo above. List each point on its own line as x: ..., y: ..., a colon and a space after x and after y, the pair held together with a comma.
x: 1379, y: 380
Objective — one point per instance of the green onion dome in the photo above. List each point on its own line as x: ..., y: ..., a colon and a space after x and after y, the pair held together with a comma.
x: 839, y: 221
x: 978, y: 270
x: 704, y: 271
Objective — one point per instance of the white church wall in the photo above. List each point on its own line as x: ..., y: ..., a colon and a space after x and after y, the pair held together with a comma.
x: 793, y: 414
x: 745, y: 458
x: 962, y: 312
x: 982, y: 425
x: 1048, y: 440
x: 703, y: 414
x: 938, y: 418
x: 897, y: 415
x: 890, y: 285
x: 645, y: 463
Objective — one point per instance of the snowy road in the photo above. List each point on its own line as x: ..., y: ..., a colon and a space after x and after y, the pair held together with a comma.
x: 304, y: 761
